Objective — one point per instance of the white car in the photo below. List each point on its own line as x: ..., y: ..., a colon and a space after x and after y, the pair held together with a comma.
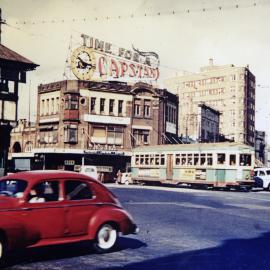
x: 262, y: 178
x: 126, y: 178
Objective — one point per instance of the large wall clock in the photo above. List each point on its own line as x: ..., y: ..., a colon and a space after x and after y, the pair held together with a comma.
x: 83, y: 63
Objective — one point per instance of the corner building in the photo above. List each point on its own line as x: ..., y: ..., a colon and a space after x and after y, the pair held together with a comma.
x: 228, y: 89
x: 108, y: 118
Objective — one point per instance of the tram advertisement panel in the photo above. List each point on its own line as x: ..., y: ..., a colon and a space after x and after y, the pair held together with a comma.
x: 187, y: 174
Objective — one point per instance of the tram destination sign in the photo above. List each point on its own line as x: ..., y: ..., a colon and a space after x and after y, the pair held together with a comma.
x: 97, y: 59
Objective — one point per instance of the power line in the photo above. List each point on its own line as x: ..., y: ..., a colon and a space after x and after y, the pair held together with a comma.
x: 147, y: 14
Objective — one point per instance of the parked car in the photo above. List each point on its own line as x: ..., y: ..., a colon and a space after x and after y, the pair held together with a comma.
x: 262, y: 178
x: 89, y: 171
x: 126, y: 178
x: 41, y: 208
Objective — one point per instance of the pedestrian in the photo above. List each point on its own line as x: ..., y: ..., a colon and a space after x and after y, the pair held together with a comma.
x: 118, y: 177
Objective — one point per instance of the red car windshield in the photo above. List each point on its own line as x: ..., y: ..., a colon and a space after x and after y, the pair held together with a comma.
x: 12, y: 188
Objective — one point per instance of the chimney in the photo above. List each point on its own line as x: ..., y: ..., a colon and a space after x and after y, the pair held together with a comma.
x: 211, y: 61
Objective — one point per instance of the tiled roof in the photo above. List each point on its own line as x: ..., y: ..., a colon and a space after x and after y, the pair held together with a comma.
x: 9, y: 55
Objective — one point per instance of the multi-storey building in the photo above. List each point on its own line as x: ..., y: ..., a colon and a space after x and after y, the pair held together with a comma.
x: 228, y: 89
x: 208, y: 124
x: 13, y: 69
x: 260, y: 146
x: 102, y: 121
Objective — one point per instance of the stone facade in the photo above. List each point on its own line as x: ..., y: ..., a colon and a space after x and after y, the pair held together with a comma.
x: 228, y: 89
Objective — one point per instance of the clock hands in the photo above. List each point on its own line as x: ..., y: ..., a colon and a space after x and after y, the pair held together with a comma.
x: 83, y: 64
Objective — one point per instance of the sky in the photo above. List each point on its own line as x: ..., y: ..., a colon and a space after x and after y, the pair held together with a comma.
x: 184, y: 33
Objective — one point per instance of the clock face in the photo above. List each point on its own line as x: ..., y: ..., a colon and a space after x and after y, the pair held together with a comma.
x: 83, y: 63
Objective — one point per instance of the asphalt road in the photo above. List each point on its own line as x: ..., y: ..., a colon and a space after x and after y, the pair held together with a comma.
x: 180, y: 229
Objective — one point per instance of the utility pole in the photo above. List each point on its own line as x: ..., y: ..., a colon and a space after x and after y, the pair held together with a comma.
x: 1, y: 22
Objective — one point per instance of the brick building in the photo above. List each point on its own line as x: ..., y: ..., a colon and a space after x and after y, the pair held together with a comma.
x: 100, y: 122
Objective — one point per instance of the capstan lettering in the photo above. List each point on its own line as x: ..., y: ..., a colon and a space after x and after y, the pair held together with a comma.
x: 109, y: 61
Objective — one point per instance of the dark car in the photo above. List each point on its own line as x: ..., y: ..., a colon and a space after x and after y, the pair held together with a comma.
x: 55, y: 207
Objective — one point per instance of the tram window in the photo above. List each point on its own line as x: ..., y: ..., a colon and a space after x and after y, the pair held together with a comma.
x: 177, y: 159
x: 196, y: 159
x: 183, y: 159
x: 137, y: 160
x: 152, y: 161
x: 268, y: 172
x: 146, y: 160
x: 232, y: 160
x: 141, y: 160
x: 245, y: 160
x: 209, y: 159
x: 162, y: 160
x: 190, y: 159
x: 157, y: 159
x: 203, y: 159
x: 221, y: 158
x: 261, y: 173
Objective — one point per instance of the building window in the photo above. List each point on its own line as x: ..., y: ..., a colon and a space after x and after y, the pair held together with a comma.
x: 42, y: 111
x: 71, y: 134
x: 141, y: 136
x: 111, y: 106
x: 98, y: 134
x: 146, y: 109
x: 53, y: 106
x: 57, y: 105
x: 28, y: 146
x: 137, y: 107
x: 71, y: 103
x: 93, y: 104
x: 47, y: 106
x: 115, y: 135
x: 120, y: 106
x: 102, y: 105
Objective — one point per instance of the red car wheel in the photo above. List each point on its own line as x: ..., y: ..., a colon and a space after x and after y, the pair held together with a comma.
x: 106, y: 238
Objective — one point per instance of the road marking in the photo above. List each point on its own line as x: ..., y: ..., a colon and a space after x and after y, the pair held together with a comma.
x: 184, y: 204
x: 249, y: 206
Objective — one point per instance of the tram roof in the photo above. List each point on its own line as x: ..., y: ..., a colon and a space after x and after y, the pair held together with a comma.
x: 193, y: 147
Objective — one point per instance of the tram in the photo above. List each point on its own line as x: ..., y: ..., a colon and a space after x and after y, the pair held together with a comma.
x: 222, y: 165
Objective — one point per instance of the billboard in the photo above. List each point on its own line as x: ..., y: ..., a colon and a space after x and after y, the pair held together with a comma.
x: 100, y: 60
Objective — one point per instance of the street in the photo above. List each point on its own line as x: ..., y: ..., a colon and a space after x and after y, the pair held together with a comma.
x: 179, y: 229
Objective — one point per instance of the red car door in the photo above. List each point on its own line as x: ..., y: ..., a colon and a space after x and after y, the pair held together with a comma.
x: 46, y: 218
x: 81, y: 204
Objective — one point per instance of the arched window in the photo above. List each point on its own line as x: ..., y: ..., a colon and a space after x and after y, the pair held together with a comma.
x: 28, y: 146
x: 16, y: 148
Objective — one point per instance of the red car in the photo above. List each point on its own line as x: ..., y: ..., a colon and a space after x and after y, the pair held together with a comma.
x: 41, y: 208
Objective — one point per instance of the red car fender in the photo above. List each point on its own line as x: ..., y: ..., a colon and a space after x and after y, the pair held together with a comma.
x: 109, y: 214
x: 13, y: 232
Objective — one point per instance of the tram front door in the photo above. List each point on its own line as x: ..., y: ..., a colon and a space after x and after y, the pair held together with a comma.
x: 169, y: 169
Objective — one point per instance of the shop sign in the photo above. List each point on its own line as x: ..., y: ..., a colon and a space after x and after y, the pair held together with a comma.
x: 69, y: 162
x: 98, y: 59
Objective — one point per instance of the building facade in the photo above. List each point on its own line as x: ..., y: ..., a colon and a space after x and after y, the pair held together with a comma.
x: 208, y: 124
x: 13, y: 68
x: 101, y: 120
x: 228, y: 89
x: 260, y: 146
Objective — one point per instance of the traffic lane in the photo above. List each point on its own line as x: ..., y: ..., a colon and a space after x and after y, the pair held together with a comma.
x: 73, y: 256
x: 208, y: 197
x: 188, y: 224
x: 177, y: 230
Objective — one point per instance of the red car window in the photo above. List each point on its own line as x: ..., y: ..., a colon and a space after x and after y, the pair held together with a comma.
x: 46, y: 191
x: 77, y: 190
